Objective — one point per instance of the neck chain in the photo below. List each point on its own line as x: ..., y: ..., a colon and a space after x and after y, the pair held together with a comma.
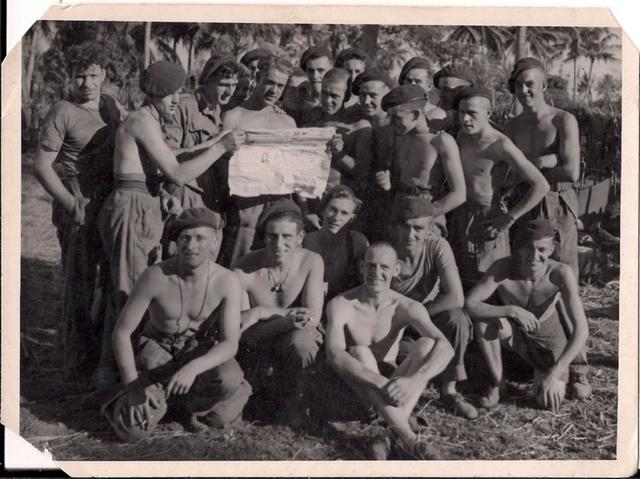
x: 278, y: 281
x: 204, y: 298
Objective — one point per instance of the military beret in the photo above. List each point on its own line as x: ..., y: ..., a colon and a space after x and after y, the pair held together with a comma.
x: 403, y: 94
x: 213, y: 63
x: 162, y: 78
x: 453, y: 71
x: 194, y: 218
x: 284, y: 205
x: 524, y: 64
x: 411, y: 207
x: 415, y: 62
x: 372, y: 74
x: 532, y: 230
x: 348, y: 54
x: 256, y: 54
x: 314, y: 52
x: 471, y: 91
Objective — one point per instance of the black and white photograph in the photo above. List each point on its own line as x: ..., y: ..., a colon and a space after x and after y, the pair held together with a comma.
x: 320, y: 241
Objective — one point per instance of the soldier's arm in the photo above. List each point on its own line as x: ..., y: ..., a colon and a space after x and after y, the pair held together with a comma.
x: 568, y: 167
x: 313, y: 292
x: 451, y: 294
x: 49, y: 179
x: 475, y: 302
x: 449, y: 155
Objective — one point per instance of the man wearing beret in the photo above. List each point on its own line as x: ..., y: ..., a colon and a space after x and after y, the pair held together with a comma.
x: 130, y: 221
x: 258, y: 112
x: 74, y: 163
x: 251, y: 59
x: 429, y: 275
x: 535, y: 292
x: 316, y: 62
x: 185, y: 354
x: 354, y: 60
x: 449, y: 80
x: 421, y: 160
x: 550, y: 139
x: 284, y: 284
x: 364, y: 328
x: 417, y: 71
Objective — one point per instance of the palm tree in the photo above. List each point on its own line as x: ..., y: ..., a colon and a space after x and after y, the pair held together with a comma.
x: 574, y: 48
x: 608, y: 88
x: 38, y: 38
x: 489, y: 39
x: 599, y: 45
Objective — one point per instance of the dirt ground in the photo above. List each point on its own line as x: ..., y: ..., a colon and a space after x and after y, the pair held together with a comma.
x: 65, y: 419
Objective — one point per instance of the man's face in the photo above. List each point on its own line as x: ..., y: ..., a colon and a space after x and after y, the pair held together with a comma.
x: 196, y: 245
x: 271, y: 84
x: 533, y: 256
x: 86, y: 84
x: 370, y: 96
x: 413, y: 232
x: 474, y: 113
x: 419, y: 77
x: 253, y: 68
x: 221, y: 89
x: 168, y: 105
x: 332, y: 96
x: 379, y: 267
x: 354, y: 66
x: 242, y: 90
x: 530, y: 86
x: 338, y: 213
x: 282, y: 238
x: 315, y: 69
x: 403, y: 119
x: 448, y: 88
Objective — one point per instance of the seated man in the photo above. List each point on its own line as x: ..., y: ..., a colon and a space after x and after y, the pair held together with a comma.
x: 364, y: 329
x: 429, y: 274
x: 283, y: 282
x: 185, y: 354
x: 535, y: 290
x: 340, y: 248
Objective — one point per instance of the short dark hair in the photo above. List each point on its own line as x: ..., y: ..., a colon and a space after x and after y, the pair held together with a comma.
x: 275, y: 63
x: 226, y: 70
x: 291, y: 216
x: 82, y: 56
x: 381, y: 245
x: 341, y: 192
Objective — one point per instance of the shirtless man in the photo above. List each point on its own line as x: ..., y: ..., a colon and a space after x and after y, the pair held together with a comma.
x: 535, y: 291
x: 283, y: 282
x: 421, y: 160
x: 258, y: 112
x: 449, y: 80
x: 417, y: 71
x: 354, y: 60
x: 316, y: 62
x: 550, y: 139
x: 341, y: 248
x: 364, y: 329
x: 74, y: 164
x: 130, y: 222
x: 428, y: 274
x: 185, y: 354
x: 480, y: 227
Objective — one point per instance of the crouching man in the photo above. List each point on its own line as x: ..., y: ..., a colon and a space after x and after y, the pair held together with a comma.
x: 185, y: 354
x: 535, y: 290
x: 365, y: 325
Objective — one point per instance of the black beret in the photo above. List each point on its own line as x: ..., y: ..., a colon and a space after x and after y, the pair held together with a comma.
x: 532, y: 230
x: 411, y: 207
x: 257, y: 54
x: 403, y: 94
x: 314, y: 52
x: 415, y: 62
x: 193, y: 218
x: 213, y: 63
x: 471, y: 91
x: 162, y: 78
x: 284, y: 205
x: 348, y: 54
x: 524, y: 64
x: 454, y: 71
x: 372, y: 74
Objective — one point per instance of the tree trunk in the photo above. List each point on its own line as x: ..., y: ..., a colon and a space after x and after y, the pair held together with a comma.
x: 26, y: 86
x: 190, y: 55
x: 370, y: 41
x: 589, y: 81
x: 575, y: 77
x: 147, y: 44
x: 521, y: 43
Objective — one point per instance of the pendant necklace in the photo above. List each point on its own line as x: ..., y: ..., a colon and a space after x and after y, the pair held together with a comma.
x: 277, y: 282
x: 204, y: 299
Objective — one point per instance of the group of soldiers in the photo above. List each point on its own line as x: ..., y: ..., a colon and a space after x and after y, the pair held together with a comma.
x: 436, y: 227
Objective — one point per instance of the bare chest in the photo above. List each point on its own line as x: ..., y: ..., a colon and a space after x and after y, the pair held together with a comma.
x: 536, y: 138
x: 533, y: 296
x: 276, y: 289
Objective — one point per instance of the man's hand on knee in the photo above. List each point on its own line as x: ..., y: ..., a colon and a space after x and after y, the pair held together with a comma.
x: 397, y: 391
x: 181, y: 381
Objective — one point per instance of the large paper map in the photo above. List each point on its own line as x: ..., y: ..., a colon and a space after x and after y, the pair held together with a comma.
x: 280, y: 162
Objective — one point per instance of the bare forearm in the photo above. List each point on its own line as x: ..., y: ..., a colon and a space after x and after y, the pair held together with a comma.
x: 217, y: 355
x: 437, y: 360
x: 534, y: 196
x: 353, y: 370
x: 442, y: 303
x: 51, y: 182
x: 196, y: 166
x: 484, y: 311
x: 561, y: 173
x: 265, y: 322
x: 448, y: 202
x: 123, y: 353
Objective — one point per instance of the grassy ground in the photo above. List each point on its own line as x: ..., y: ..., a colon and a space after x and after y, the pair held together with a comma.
x: 65, y: 419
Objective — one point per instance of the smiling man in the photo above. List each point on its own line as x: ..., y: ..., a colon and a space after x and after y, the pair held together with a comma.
x: 535, y: 291
x: 364, y: 328
x: 185, y: 354
x: 130, y: 221
x: 283, y: 282
x: 316, y: 62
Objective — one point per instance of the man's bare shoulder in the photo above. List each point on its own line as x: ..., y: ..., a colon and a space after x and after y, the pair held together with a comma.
x: 562, y: 118
x: 309, y: 257
x: 250, y: 262
x: 443, y: 141
x: 223, y: 278
x: 138, y: 121
x: 346, y: 299
x: 561, y: 274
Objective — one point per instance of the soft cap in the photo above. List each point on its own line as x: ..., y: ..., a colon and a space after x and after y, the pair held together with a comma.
x: 373, y: 74
x: 415, y: 62
x: 403, y: 94
x: 454, y: 71
x: 213, y: 64
x: 194, y: 218
x: 161, y: 79
x: 524, y: 64
x: 411, y: 207
x: 284, y: 205
x: 314, y: 52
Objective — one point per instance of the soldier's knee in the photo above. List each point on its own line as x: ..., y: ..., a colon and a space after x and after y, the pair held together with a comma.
x: 423, y: 345
x: 230, y: 409
x: 303, y: 347
x: 230, y: 376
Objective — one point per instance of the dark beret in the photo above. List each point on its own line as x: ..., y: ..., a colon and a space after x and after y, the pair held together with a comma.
x: 524, y: 64
x: 415, y: 62
x: 284, y: 205
x: 314, y: 52
x: 213, y: 63
x: 532, y: 230
x: 471, y: 91
x: 411, y: 207
x: 454, y: 71
x: 162, y: 78
x: 373, y: 74
x: 403, y: 94
x: 348, y: 54
x: 194, y: 218
x: 257, y: 54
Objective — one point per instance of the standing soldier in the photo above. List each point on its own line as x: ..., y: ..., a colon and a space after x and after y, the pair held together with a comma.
x: 417, y: 71
x: 354, y: 60
x: 315, y: 61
